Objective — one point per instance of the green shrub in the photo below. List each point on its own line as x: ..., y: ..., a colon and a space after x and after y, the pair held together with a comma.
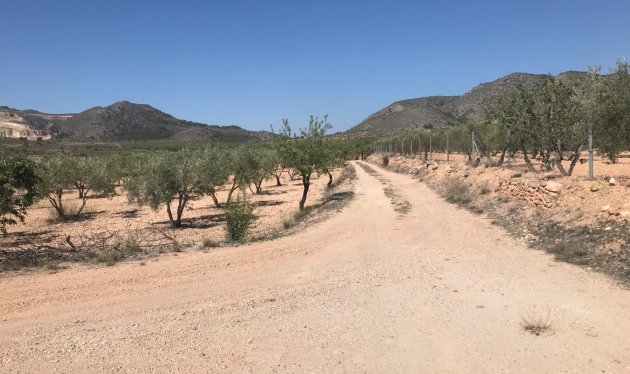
x: 238, y: 216
x: 457, y: 192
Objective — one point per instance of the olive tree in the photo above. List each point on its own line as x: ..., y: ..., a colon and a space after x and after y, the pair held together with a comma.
x: 545, y: 121
x: 607, y: 106
x: 214, y: 170
x: 61, y: 173
x: 334, y: 156
x: 264, y: 163
x: 18, y: 183
x: 305, y: 152
x: 170, y: 179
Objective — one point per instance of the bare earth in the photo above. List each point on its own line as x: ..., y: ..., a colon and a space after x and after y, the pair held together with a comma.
x: 372, y: 289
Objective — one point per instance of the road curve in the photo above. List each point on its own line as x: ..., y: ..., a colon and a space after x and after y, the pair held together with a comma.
x: 375, y: 288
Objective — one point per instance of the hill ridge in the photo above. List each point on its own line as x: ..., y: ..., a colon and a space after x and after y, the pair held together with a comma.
x: 440, y: 111
x: 124, y: 121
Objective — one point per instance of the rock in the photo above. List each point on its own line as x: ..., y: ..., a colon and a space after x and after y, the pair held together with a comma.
x: 626, y: 214
x: 549, y: 175
x: 435, y: 166
x: 605, y: 208
x: 516, y: 175
x: 554, y: 187
x: 596, y: 186
x: 612, y: 182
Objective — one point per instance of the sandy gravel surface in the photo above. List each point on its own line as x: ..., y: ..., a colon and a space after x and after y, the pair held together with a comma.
x: 428, y: 289
x: 201, y: 219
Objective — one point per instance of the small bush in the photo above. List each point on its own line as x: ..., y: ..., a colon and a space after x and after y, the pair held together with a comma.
x: 385, y: 160
x: 176, y: 247
x: 210, y: 243
x: 109, y: 257
x: 457, y: 192
x: 288, y: 223
x: 536, y: 324
x: 297, y: 217
x: 484, y: 189
x: 503, y: 199
x: 238, y: 216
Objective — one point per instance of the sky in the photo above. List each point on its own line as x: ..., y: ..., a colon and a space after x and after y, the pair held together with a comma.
x: 252, y: 63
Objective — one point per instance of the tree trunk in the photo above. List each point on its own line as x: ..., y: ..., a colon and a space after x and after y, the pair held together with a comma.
x: 502, y: 158
x: 278, y: 180
x: 81, y: 188
x: 559, y: 164
x: 181, y: 204
x: 234, y: 187
x: 170, y: 214
x: 306, y: 182
x: 84, y: 200
x: 576, y: 157
x: 528, y: 162
x: 330, y: 180
x: 546, y: 159
x: 56, y: 203
x: 215, y: 200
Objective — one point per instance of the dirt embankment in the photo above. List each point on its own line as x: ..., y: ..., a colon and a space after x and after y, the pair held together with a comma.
x: 580, y: 221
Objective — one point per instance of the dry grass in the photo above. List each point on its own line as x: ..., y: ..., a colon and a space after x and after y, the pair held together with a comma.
x: 457, y: 192
x: 536, y: 324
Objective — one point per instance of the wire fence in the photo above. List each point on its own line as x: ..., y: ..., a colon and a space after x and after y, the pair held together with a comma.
x: 465, y: 145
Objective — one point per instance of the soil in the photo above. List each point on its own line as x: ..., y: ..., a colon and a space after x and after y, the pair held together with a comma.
x: 579, y: 221
x: 43, y: 239
x: 431, y: 288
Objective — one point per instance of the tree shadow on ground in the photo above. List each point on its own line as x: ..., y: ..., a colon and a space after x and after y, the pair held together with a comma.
x: 268, y: 203
x: 85, y: 216
x: 33, y: 249
x: 132, y: 213
x: 202, y: 222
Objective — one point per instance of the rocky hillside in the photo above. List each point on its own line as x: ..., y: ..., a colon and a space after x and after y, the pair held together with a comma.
x: 438, y: 111
x: 127, y: 121
x: 14, y: 125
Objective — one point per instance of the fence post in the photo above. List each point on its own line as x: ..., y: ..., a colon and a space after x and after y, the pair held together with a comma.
x: 590, y: 151
x: 509, y: 140
x: 448, y: 149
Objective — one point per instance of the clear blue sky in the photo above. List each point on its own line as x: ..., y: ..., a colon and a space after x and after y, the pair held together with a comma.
x: 252, y: 63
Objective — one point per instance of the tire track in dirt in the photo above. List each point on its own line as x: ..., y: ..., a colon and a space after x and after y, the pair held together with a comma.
x: 401, y: 205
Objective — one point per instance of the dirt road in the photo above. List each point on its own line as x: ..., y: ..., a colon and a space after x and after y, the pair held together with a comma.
x: 378, y: 288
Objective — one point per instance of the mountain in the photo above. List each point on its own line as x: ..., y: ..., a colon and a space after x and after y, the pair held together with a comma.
x: 124, y: 121
x: 439, y: 111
